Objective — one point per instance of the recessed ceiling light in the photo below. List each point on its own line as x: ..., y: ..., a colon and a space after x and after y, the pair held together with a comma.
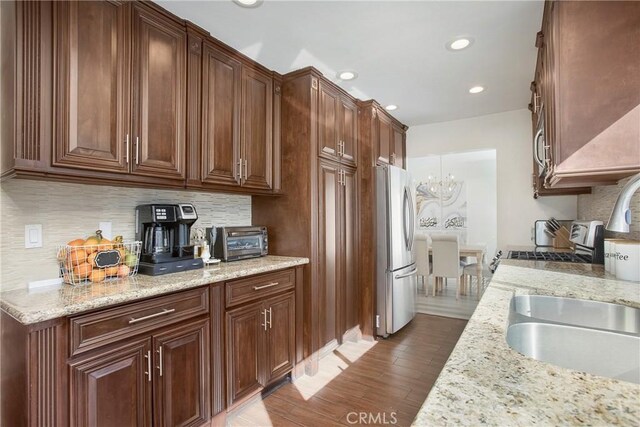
x: 459, y: 43
x: 476, y: 89
x: 391, y: 107
x: 248, y: 3
x: 347, y: 75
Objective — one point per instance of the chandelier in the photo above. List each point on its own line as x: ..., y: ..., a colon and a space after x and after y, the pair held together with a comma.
x: 441, y: 188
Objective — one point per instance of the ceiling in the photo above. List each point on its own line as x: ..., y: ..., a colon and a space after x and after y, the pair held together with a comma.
x: 396, y: 47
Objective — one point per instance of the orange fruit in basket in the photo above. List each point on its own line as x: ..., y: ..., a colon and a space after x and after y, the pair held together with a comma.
x: 97, y: 275
x: 105, y: 245
x: 123, y: 271
x: 83, y: 270
x: 91, y: 259
x: 76, y: 242
x: 91, y: 244
x: 77, y: 256
x: 111, y: 271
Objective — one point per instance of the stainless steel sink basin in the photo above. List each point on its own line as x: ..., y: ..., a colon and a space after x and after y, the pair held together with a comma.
x: 590, y: 336
x: 578, y: 312
x: 608, y: 354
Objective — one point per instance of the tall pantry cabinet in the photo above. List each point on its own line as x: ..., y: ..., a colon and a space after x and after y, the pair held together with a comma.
x: 317, y: 216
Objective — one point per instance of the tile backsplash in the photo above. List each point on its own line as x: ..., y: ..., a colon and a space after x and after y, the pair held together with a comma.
x: 598, y: 206
x: 69, y: 211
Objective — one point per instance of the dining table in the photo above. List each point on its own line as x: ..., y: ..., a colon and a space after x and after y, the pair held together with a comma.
x: 475, y: 251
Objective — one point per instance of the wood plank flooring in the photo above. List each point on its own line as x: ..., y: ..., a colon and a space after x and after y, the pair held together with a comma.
x: 363, y: 383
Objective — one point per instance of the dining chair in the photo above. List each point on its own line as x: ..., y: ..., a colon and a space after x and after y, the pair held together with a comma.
x: 470, y: 272
x: 422, y: 260
x: 446, y: 260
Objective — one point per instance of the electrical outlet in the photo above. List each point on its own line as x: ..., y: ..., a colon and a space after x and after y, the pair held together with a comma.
x: 106, y: 229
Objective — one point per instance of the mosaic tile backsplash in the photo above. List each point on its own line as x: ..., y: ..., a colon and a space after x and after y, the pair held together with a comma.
x: 69, y: 211
x: 598, y: 206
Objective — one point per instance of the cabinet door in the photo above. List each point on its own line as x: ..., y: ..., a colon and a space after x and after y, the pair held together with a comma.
x: 112, y: 388
x: 221, y: 81
x: 383, y: 138
x: 280, y: 340
x: 349, y: 131
x: 257, y: 129
x: 398, y: 147
x: 181, y: 375
x: 245, y: 343
x: 329, y: 248
x: 91, y: 88
x: 349, y: 226
x: 328, y: 131
x: 159, y: 97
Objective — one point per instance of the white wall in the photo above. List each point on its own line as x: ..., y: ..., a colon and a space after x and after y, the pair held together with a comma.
x: 509, y: 134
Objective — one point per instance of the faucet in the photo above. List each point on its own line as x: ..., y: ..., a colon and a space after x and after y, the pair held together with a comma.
x: 621, y: 215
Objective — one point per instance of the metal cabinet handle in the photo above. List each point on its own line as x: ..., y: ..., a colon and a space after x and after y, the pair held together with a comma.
x: 127, y: 148
x: 148, y: 371
x: 159, y: 350
x: 270, y: 285
x: 270, y: 316
x: 151, y: 316
x: 536, y: 143
x: 246, y: 174
x: 239, y: 173
x: 137, y: 148
x: 264, y: 319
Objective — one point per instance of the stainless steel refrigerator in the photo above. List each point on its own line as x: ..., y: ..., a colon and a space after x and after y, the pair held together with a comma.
x: 395, y: 263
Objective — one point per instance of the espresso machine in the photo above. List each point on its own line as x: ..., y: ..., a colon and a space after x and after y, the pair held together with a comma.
x: 164, y: 230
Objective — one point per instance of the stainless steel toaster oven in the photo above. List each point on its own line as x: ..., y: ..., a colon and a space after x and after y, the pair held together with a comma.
x: 235, y: 243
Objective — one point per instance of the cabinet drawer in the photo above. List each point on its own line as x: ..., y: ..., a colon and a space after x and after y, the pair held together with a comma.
x: 257, y: 287
x: 107, y: 326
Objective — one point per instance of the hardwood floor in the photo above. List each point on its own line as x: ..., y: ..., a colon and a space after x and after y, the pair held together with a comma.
x: 363, y: 383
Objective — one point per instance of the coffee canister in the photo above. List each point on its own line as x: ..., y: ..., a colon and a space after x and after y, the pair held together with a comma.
x: 626, y: 257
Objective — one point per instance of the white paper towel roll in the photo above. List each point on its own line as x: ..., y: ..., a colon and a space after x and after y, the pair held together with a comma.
x: 627, y: 260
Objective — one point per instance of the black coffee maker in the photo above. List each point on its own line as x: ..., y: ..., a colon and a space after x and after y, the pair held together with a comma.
x: 165, y: 234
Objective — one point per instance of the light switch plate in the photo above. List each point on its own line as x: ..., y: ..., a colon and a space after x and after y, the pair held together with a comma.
x: 33, y: 236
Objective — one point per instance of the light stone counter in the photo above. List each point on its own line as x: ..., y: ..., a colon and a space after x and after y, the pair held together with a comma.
x: 485, y: 382
x: 44, y: 304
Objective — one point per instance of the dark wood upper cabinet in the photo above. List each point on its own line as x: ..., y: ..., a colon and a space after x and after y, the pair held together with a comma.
x: 348, y: 125
x: 113, y: 387
x: 257, y: 129
x: 398, y: 154
x: 221, y: 80
x: 159, y: 94
x: 182, y: 378
x: 383, y: 139
x: 588, y: 86
x: 329, y: 104
x: 91, y: 62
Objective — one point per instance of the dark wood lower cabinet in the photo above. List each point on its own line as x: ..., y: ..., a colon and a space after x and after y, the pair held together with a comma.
x: 260, y: 345
x: 181, y: 383
x: 167, y: 371
x: 113, y: 387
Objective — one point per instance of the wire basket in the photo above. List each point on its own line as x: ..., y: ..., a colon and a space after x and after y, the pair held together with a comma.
x: 85, y: 264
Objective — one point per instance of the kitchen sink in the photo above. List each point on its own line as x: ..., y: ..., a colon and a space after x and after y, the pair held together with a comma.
x: 590, y: 336
x: 598, y: 352
x: 579, y: 312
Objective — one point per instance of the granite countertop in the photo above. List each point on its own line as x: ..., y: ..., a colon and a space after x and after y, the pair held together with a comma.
x: 486, y: 382
x: 44, y: 304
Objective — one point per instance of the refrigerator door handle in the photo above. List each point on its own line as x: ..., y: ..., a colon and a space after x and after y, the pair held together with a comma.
x: 413, y: 219
x: 405, y: 212
x: 411, y: 273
